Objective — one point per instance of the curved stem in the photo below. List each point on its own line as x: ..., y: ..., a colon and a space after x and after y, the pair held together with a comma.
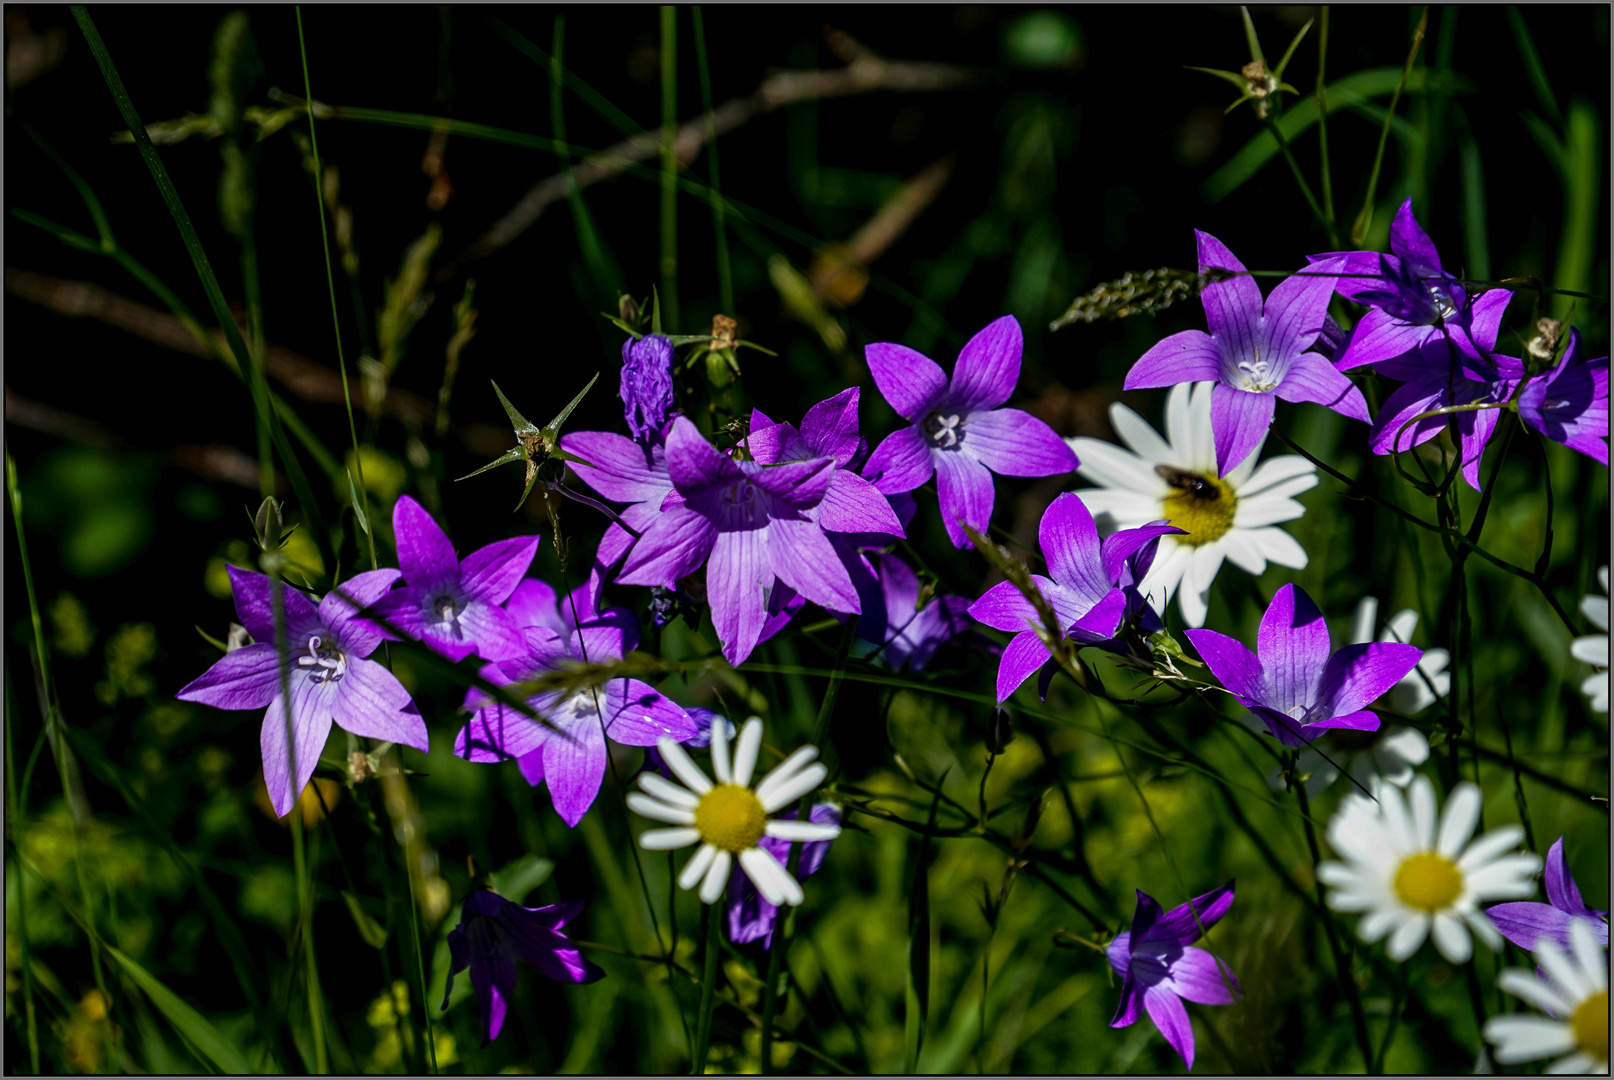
x: 703, y: 1030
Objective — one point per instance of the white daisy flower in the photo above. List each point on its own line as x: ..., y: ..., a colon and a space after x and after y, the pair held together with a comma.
x: 729, y: 819
x: 1391, y: 753
x: 1412, y: 875
x: 1574, y: 995
x: 1593, y: 648
x: 1232, y: 517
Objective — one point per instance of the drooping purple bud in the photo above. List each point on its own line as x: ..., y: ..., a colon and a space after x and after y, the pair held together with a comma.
x: 647, y: 389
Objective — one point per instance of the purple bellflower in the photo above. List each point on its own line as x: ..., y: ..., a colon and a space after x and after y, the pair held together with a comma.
x: 1569, y: 404
x: 958, y: 429
x: 494, y: 933
x: 1086, y: 590
x: 1414, y: 300
x: 621, y: 471
x: 453, y: 606
x: 569, y: 753
x: 535, y: 603
x: 1296, y: 682
x: 647, y: 387
x: 1452, y: 368
x: 1160, y: 967
x: 331, y: 679
x: 752, y: 522
x: 908, y: 634
x: 1256, y: 352
x: 750, y: 917
x: 1524, y: 922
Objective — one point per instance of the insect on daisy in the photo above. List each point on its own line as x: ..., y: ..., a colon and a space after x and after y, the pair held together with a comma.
x: 1415, y: 875
x: 1574, y: 994
x: 729, y: 819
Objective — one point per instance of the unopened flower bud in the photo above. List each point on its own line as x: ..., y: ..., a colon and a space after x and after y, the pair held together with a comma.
x: 628, y: 309
x: 647, y: 389
x: 237, y: 638
x: 999, y: 730
x: 268, y: 523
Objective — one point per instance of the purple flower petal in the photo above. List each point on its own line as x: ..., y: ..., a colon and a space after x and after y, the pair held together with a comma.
x: 1474, y: 431
x: 1412, y: 244
x: 1293, y: 645
x: 737, y: 581
x: 533, y: 603
x: 1361, y: 720
x: 491, y: 574
x: 1130, y: 1007
x: 1562, y: 890
x: 1180, y: 924
x: 248, y: 678
x: 1524, y: 923
x: 623, y: 470
x: 692, y: 462
x: 830, y: 428
x: 674, y: 546
x: 494, y: 988
x: 1239, y: 421
x: 254, y: 606
x: 1025, y: 654
x: 424, y: 553
x: 1169, y: 1016
x: 1069, y: 541
x: 340, y: 608
x: 1116, y: 548
x: 965, y: 490
x: 800, y: 484
x: 1357, y: 675
x: 640, y: 714
x: 498, y: 732
x: 532, y: 766
x: 1379, y: 338
x: 611, y: 637
x: 1406, y: 402
x: 1002, y: 607
x: 311, y: 724
x: 783, y: 605
x: 988, y: 367
x: 1485, y: 318
x: 901, y: 462
x: 574, y: 768
x: 1232, y: 307
x: 1234, y: 666
x: 1311, y: 378
x: 1015, y: 443
x: 487, y: 629
x: 1144, y: 915
x: 1187, y: 356
x: 769, y: 443
x: 370, y: 701
x: 1195, y: 976
x: 1294, y: 313
x: 549, y: 951
x: 646, y: 386
x: 853, y: 505
x: 909, y: 381
x: 803, y: 558
x: 1103, y: 619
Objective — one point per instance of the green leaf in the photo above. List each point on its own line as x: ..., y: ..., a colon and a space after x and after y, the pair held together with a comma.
x: 1228, y: 76
x: 358, y: 505
x: 1249, y: 35
x: 373, y: 933
x: 516, y: 879
x: 187, y: 1021
x: 211, y: 640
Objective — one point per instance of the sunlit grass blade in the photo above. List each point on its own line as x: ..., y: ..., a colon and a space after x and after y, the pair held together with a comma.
x: 192, y: 1025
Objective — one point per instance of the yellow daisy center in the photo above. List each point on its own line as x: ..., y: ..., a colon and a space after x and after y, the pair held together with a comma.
x: 1590, y: 1025
x: 1200, y: 504
x: 1428, y: 881
x: 731, y: 818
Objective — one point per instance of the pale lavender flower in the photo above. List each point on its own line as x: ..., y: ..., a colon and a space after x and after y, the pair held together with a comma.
x: 647, y: 387
x: 1087, y: 590
x: 752, y: 918
x: 331, y: 681
x: 1296, y: 683
x: 453, y: 606
x: 535, y: 603
x: 1569, y: 403
x: 1523, y: 922
x: 908, y: 634
x: 620, y: 470
x: 569, y: 752
x: 494, y: 933
x: 958, y: 429
x: 1160, y: 967
x: 1256, y: 352
x: 703, y: 719
x: 753, y: 523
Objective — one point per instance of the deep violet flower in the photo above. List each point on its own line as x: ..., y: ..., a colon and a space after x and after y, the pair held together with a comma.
x: 1569, y: 403
x: 494, y: 933
x: 1296, y: 682
x: 1414, y: 301
x: 569, y: 752
x: 1160, y: 967
x: 908, y: 634
x: 1086, y: 590
x: 331, y: 681
x: 1523, y: 922
x: 621, y: 471
x: 1457, y: 368
x: 647, y: 387
x: 958, y: 429
x: 1256, y: 352
x: 453, y: 606
x: 752, y: 522
x: 750, y: 917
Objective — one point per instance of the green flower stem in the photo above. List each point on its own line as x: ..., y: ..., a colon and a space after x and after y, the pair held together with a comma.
x: 703, y: 1031
x: 1364, y: 220
x: 1342, y: 965
x: 1300, y: 181
x: 17, y: 831
x: 1322, y: 121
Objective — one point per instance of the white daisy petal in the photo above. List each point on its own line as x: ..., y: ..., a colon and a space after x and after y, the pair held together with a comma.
x: 1398, y: 824
x: 1107, y: 465
x: 745, y: 752
x: 678, y: 760
x: 668, y: 839
x: 1279, y: 547
x: 1457, y: 824
x: 1265, y: 510
x: 1283, y: 471
x: 717, y: 877
x: 759, y: 866
x: 1114, y: 509
x: 1589, y: 954
x: 1136, y: 433
x: 720, y: 754
x: 1527, y: 1038
x: 1488, y: 847
x: 1451, y: 938
x: 1166, y: 574
x: 1508, y: 878
x: 1367, y: 613
x: 1374, y: 926
x: 1421, y: 801
x: 696, y: 867
x: 786, y: 769
x: 1244, y: 552
x: 1193, y: 594
x: 805, y: 831
x: 1577, y: 1064
x: 1530, y: 989
x: 1562, y: 970
x: 1481, y: 925
x: 1408, y: 935
x: 1199, y: 438
x: 656, y: 810
x: 667, y: 791
x: 787, y: 792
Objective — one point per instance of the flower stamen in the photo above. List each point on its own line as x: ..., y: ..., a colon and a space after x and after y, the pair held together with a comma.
x: 1428, y: 881
x: 731, y: 818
